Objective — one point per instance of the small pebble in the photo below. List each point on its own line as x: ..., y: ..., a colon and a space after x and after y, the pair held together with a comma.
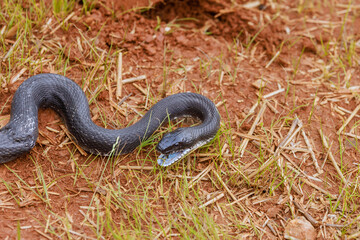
x: 259, y: 83
x: 300, y: 229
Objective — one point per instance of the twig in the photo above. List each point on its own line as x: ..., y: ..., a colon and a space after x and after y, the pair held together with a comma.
x: 93, y: 71
x: 110, y: 93
x: 19, y: 39
x: 68, y: 134
x: 347, y: 183
x: 318, y: 188
x: 65, y: 20
x: 240, y: 199
x: 135, y: 168
x: 221, y: 195
x: 252, y: 129
x: 354, y: 236
x: 16, y: 77
x: 228, y: 190
x: 117, y: 107
x: 134, y: 79
x: 200, y: 175
x: 349, y: 119
x: 272, y: 60
x: 347, y: 111
x: 312, y: 154
x: 124, y: 99
x: 331, y: 156
x: 119, y: 81
x: 291, y: 134
x: 352, y: 135
x: 313, y: 221
x: 274, y: 93
x: 43, y: 234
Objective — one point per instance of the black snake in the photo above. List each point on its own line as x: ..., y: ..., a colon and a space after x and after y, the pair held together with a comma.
x: 67, y: 98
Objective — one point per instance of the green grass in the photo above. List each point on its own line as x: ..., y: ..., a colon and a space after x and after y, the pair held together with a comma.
x: 130, y: 197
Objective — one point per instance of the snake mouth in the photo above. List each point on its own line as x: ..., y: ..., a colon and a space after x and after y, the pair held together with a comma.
x: 167, y: 159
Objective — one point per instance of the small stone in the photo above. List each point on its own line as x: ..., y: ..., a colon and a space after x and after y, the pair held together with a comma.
x: 299, y: 229
x: 259, y: 84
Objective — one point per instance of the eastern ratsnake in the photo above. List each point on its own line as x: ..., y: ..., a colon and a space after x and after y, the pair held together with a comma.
x: 67, y: 98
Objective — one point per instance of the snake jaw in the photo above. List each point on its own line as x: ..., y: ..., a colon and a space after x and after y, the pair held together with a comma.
x: 167, y: 159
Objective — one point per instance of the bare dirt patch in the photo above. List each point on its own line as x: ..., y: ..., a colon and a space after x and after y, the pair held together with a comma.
x: 278, y: 72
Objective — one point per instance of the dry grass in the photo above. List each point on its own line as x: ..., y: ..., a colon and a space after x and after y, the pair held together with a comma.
x: 292, y: 151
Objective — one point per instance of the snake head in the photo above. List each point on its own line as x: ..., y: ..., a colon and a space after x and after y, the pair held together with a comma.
x: 13, y: 145
x: 173, y: 147
x: 174, y: 141
x: 178, y: 144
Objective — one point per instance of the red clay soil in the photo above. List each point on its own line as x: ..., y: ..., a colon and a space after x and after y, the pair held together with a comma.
x: 187, y: 32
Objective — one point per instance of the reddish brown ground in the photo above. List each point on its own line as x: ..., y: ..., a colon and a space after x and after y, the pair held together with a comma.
x: 147, y: 49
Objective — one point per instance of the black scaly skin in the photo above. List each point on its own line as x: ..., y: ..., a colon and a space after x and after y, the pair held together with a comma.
x: 67, y: 98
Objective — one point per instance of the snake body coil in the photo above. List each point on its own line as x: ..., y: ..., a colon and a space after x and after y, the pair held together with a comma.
x: 67, y: 98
